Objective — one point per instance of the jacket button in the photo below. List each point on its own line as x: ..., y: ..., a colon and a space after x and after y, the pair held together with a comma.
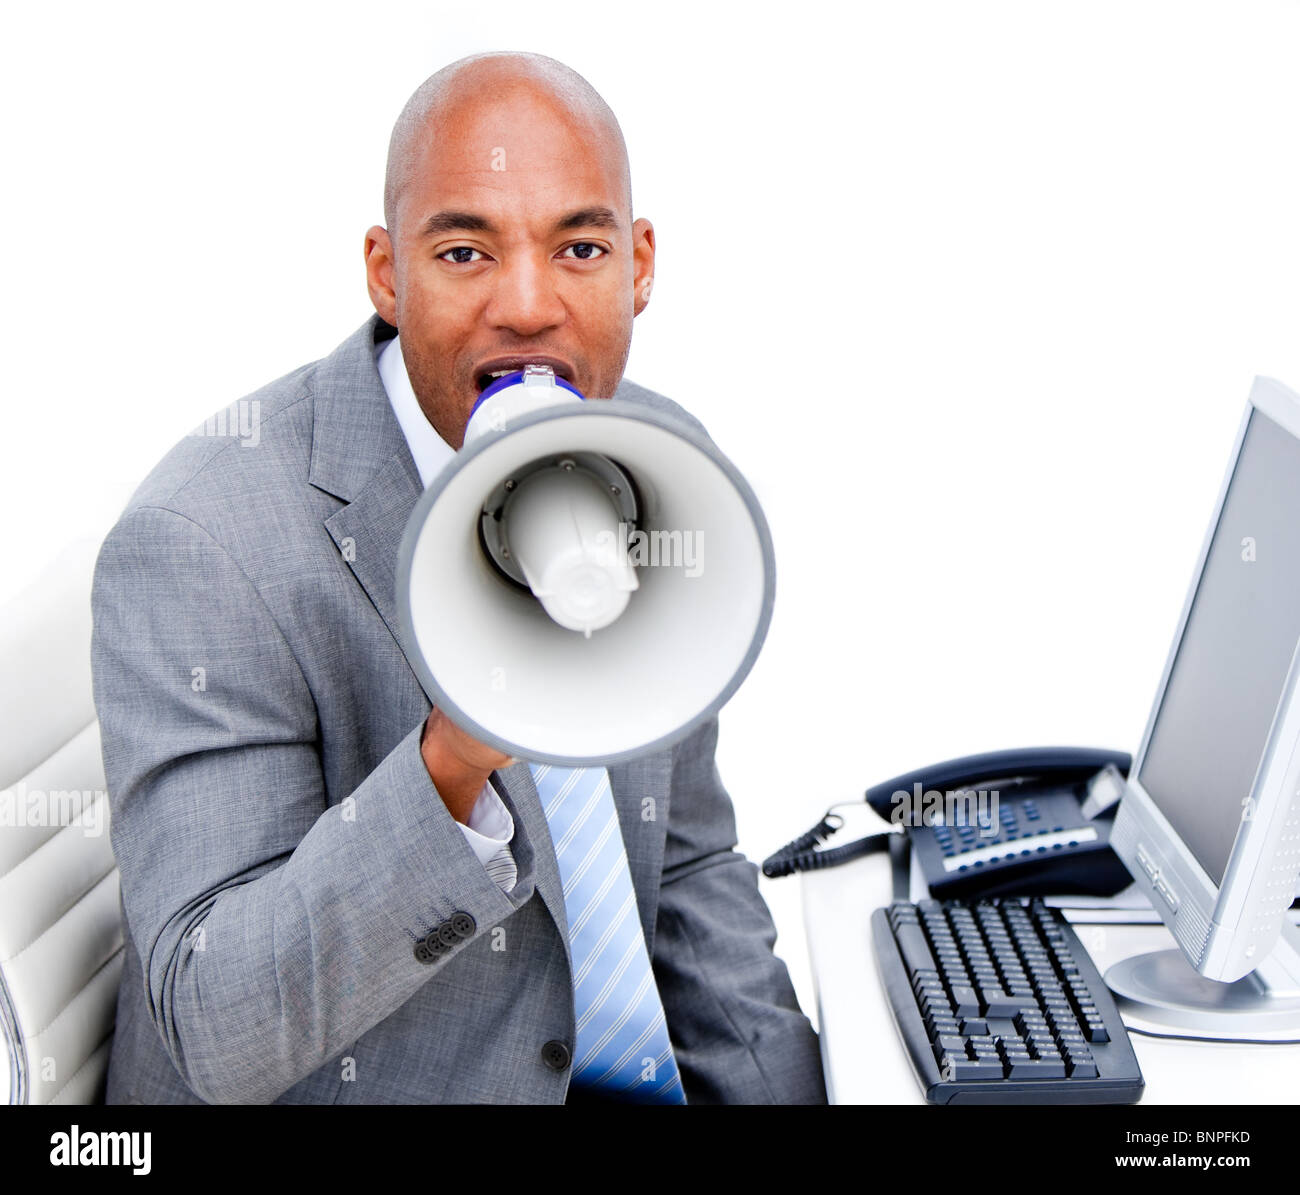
x: 463, y: 924
x: 433, y: 944
x: 446, y: 935
x: 556, y: 1055
x: 422, y: 952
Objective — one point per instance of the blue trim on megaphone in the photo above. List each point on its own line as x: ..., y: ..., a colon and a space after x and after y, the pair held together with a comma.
x: 516, y: 379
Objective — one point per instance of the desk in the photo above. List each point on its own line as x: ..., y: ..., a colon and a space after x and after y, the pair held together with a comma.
x: 863, y: 1056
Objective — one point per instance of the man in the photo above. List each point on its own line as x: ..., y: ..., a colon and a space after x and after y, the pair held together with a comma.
x: 333, y: 894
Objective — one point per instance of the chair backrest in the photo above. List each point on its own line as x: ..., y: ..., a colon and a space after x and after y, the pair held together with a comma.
x: 60, y: 915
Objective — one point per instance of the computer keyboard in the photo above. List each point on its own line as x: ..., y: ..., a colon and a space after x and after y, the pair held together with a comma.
x: 997, y: 1002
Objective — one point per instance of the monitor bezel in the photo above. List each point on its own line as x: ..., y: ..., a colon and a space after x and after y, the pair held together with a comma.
x: 1224, y: 904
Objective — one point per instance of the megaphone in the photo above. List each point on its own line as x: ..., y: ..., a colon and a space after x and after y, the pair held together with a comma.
x: 585, y: 581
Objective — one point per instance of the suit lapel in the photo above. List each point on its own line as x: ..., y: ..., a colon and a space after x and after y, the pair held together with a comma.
x: 360, y: 455
x: 368, y: 532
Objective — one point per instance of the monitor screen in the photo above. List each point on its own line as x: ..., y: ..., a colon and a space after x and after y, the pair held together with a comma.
x: 1231, y: 665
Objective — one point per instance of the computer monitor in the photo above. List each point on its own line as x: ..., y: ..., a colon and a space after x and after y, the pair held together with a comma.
x: 1209, y: 823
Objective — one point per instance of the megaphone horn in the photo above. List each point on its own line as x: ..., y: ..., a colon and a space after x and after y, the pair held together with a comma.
x: 584, y: 582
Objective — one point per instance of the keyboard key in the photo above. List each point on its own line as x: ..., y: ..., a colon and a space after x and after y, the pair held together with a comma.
x: 958, y: 1069
x: 999, y: 1004
x: 1038, y: 1068
x: 915, y: 949
x: 942, y: 1054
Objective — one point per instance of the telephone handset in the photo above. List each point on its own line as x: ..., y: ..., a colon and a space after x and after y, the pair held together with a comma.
x: 1027, y: 822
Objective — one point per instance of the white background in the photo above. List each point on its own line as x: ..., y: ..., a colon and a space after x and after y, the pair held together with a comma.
x: 973, y: 293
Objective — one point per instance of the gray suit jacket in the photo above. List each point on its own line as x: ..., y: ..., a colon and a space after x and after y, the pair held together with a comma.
x: 283, y: 850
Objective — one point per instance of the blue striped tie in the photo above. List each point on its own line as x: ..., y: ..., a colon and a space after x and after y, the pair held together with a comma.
x: 622, y: 1039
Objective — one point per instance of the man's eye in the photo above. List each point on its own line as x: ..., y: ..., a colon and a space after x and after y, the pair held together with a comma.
x: 460, y: 255
x: 586, y: 251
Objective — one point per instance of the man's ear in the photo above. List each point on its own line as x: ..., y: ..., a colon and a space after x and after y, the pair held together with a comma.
x: 643, y: 264
x: 379, y: 274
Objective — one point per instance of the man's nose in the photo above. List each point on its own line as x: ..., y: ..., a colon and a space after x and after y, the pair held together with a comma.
x: 525, y: 299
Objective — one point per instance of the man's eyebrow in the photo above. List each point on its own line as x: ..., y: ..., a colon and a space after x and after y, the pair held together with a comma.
x: 590, y: 217
x: 450, y: 221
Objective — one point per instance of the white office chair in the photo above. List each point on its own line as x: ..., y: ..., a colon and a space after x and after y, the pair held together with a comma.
x: 60, y: 916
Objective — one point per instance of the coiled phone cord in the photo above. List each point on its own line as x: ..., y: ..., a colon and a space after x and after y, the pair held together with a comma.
x: 802, y: 853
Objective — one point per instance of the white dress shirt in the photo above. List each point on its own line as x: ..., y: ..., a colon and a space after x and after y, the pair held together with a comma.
x: 491, y: 828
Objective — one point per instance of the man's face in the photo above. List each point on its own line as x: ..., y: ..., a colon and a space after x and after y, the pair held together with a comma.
x: 514, y: 243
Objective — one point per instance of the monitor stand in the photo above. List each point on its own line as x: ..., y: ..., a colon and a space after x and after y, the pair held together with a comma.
x: 1161, y: 993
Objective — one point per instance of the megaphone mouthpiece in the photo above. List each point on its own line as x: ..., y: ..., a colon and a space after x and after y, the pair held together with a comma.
x: 517, y: 394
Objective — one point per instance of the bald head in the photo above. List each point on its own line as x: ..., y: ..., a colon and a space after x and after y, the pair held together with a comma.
x: 510, y: 234
x: 485, y: 78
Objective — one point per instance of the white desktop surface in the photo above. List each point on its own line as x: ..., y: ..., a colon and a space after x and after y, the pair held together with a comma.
x: 863, y: 1055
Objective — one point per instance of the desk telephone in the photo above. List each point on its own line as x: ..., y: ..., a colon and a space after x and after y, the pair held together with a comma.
x: 1034, y: 821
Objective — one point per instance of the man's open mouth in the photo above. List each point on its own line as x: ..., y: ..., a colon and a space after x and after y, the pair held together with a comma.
x: 501, y: 368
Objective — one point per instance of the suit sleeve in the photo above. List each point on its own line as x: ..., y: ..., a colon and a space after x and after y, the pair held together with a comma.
x: 737, y: 1031
x: 273, y: 929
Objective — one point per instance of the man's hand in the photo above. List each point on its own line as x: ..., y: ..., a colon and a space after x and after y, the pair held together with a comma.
x: 458, y: 765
